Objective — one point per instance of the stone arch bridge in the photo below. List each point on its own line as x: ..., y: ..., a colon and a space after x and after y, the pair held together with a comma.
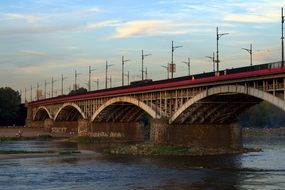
x: 187, y: 111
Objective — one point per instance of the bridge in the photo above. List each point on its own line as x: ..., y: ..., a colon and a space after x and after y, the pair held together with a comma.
x: 199, y: 110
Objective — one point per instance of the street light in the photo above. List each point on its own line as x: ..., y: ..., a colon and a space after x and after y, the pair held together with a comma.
x: 172, y: 51
x: 123, y: 64
x: 52, y: 82
x: 143, y: 56
x: 167, y: 69
x: 46, y: 83
x: 97, y: 83
x: 250, y: 53
x: 106, y: 79
x: 89, y: 81
x: 188, y: 65
x: 128, y: 77
x: 31, y: 94
x: 38, y: 86
x: 62, y: 79
x: 213, y: 60
x: 219, y: 35
x: 75, y: 79
x: 282, y: 36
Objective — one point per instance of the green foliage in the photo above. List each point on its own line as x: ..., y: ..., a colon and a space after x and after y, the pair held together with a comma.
x: 9, y: 103
x: 78, y: 91
x: 263, y: 115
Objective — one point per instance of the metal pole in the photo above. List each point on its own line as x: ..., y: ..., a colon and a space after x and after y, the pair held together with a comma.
x: 250, y: 54
x: 167, y: 69
x: 142, y: 65
x: 37, y: 91
x: 123, y: 70
x: 218, y: 37
x: 106, y: 81
x: 25, y: 95
x: 213, y: 61
x: 75, y: 80
x: 146, y: 73
x: 31, y: 94
x: 45, y: 89
x: 89, y: 79
x: 172, y: 50
x: 52, y: 81
x: 188, y: 65
x: 217, y: 50
x: 282, y: 36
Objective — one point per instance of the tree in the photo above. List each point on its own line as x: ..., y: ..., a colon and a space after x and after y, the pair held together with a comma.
x: 78, y: 91
x: 9, y: 104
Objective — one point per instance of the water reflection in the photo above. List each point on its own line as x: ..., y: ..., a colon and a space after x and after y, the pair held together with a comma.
x: 93, y: 170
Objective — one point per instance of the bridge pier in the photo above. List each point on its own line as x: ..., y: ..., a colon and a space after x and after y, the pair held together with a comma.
x: 48, y: 124
x: 122, y: 131
x: 83, y: 127
x: 204, y: 136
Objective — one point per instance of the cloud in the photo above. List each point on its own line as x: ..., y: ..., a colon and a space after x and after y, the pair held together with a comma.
x: 17, y: 16
x: 31, y: 53
x: 148, y: 27
x: 253, y: 18
x: 106, y: 23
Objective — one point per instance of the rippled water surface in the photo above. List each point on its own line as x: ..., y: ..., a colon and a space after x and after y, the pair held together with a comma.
x: 93, y: 170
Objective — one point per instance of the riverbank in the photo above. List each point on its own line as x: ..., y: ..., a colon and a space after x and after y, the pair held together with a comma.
x: 161, y: 150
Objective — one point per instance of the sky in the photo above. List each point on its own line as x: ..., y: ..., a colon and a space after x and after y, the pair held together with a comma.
x: 41, y: 39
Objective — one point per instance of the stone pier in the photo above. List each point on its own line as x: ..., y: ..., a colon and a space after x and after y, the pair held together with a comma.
x: 197, y: 136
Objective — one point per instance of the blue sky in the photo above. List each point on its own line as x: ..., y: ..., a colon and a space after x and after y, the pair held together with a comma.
x: 40, y: 39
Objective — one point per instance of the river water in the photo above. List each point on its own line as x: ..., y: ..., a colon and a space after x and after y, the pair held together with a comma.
x: 94, y: 170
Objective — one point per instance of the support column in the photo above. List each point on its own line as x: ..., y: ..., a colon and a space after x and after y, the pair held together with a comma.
x: 159, y: 133
x: 48, y: 124
x: 83, y: 127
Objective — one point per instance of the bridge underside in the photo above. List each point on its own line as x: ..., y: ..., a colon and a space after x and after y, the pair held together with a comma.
x: 120, y: 121
x: 217, y: 109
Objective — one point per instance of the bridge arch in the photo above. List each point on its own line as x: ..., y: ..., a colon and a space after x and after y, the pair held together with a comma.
x: 229, y: 89
x: 128, y: 100
x: 69, y: 110
x: 41, y: 114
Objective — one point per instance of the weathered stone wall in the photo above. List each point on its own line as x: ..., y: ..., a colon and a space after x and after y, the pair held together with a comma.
x: 197, y: 136
x: 122, y: 131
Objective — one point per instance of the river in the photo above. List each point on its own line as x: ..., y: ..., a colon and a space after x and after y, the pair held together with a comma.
x: 93, y: 170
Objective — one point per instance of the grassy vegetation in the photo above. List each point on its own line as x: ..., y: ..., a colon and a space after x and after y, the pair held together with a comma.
x: 160, y: 150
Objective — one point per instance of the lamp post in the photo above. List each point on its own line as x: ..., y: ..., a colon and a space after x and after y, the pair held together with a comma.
x: 219, y: 35
x: 31, y: 94
x: 143, y: 56
x: 46, y: 83
x: 167, y: 69
x: 75, y: 79
x: 128, y: 77
x: 38, y: 86
x: 62, y: 79
x: 282, y: 37
x: 52, y: 82
x: 250, y: 53
x: 188, y: 65
x: 172, y: 63
x: 89, y: 77
x: 106, y: 77
x: 97, y: 83
x: 123, y: 64
x: 213, y: 60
